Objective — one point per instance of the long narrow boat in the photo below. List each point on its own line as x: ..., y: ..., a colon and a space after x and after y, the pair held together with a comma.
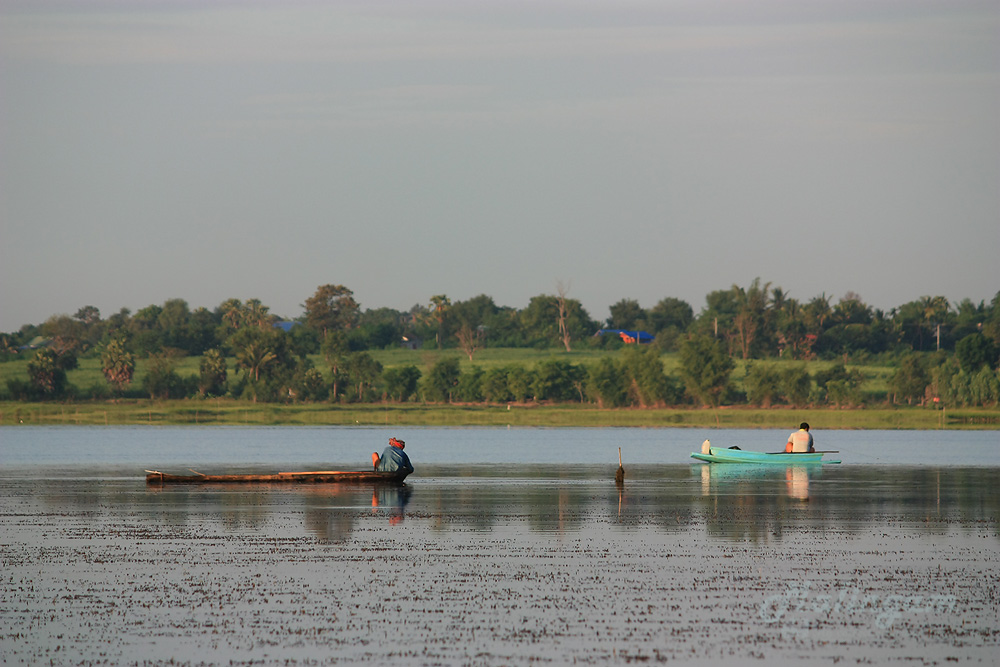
x: 723, y: 455
x: 308, y: 477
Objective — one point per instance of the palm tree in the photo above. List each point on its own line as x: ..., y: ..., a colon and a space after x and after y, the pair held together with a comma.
x: 935, y: 311
x: 441, y: 304
x: 254, y: 357
x: 232, y: 313
x: 819, y: 311
x: 752, y: 314
x: 257, y: 313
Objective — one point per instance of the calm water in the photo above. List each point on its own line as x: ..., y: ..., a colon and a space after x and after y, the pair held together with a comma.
x: 162, y: 447
x: 505, y: 546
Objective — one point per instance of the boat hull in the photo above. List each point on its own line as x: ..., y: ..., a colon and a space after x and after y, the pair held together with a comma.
x: 156, y: 477
x: 722, y: 455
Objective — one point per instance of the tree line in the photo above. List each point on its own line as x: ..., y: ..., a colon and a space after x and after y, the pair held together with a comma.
x: 942, y: 351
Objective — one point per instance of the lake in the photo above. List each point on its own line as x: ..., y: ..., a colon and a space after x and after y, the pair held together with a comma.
x: 504, y: 547
x: 130, y: 449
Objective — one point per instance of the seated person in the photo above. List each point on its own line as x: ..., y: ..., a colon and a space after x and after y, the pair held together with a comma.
x: 393, y: 458
x: 800, y: 441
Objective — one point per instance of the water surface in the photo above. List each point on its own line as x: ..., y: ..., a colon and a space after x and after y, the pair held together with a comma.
x: 497, y: 551
x: 155, y: 446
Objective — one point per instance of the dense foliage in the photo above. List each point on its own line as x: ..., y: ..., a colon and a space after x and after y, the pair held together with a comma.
x: 942, y: 352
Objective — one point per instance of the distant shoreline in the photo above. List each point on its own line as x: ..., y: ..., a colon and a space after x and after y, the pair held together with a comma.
x: 229, y: 412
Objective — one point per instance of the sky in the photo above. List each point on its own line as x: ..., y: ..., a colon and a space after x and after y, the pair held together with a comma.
x: 207, y: 150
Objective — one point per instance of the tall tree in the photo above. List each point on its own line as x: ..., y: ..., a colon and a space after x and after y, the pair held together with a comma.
x: 174, y: 323
x: 752, y: 314
x: 65, y: 333
x: 257, y: 314
x: 117, y: 364
x: 817, y: 312
x: 792, y: 331
x: 936, y: 310
x: 564, y: 333
x: 670, y: 312
x: 335, y: 349
x: 627, y: 314
x: 89, y: 315
x: 540, y: 321
x: 212, y: 374
x: 851, y: 309
x: 716, y: 318
x: 470, y: 339
x: 232, y: 314
x: 440, y: 305
x: 256, y: 351
x: 331, y: 308
x: 46, y: 375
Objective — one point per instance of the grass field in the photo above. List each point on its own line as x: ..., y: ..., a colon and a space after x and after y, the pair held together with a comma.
x: 88, y: 374
x: 232, y: 412
x: 228, y: 411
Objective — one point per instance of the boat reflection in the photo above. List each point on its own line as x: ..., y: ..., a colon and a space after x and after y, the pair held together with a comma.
x: 728, y: 478
x: 797, y: 479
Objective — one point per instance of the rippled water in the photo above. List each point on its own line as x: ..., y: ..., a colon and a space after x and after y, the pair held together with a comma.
x: 502, y: 560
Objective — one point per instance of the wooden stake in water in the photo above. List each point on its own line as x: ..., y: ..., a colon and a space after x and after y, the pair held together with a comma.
x: 620, y: 474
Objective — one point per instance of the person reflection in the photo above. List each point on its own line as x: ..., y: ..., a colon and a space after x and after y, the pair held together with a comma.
x: 797, y: 479
x: 392, y: 498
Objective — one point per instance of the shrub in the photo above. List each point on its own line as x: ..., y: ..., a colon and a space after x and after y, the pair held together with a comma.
x: 470, y: 385
x: 401, y: 383
x: 796, y: 385
x: 763, y: 384
x: 440, y: 383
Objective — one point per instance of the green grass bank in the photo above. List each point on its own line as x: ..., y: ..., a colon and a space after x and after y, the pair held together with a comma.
x: 232, y: 412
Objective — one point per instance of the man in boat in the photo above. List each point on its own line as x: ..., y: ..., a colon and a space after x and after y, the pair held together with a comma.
x: 800, y: 441
x: 393, y: 458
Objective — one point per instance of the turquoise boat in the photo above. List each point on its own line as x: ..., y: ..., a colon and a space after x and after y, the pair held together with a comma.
x: 723, y: 455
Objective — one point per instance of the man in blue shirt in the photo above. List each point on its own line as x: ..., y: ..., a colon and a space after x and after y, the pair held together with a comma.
x: 393, y: 458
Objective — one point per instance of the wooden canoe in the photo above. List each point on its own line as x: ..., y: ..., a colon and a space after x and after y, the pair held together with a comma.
x: 308, y: 477
x: 723, y: 455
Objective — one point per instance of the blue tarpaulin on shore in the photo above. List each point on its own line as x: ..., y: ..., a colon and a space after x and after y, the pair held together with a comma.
x: 628, y: 336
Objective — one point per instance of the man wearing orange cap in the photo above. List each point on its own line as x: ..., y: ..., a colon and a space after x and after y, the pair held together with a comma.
x: 393, y: 458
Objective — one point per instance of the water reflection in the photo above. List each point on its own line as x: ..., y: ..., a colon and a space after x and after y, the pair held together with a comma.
x: 331, y: 510
x: 733, y: 502
x: 748, y: 478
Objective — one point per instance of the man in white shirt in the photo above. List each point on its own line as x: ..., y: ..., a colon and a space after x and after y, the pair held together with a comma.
x: 801, y: 440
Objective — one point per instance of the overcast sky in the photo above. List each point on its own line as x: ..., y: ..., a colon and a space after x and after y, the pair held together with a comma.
x: 406, y: 148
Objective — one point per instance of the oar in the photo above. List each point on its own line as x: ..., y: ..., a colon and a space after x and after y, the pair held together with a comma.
x: 620, y: 473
